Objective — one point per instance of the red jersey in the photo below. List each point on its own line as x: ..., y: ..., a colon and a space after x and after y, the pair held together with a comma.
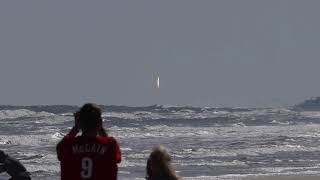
x: 90, y: 158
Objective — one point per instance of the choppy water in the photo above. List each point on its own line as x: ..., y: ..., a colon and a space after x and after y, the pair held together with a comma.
x: 205, y: 143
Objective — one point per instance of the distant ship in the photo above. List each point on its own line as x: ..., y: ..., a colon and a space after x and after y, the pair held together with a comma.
x: 312, y: 104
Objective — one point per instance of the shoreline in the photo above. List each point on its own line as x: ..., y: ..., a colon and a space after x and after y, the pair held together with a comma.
x: 285, y: 177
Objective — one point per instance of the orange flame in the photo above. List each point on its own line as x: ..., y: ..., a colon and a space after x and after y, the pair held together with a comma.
x: 158, y: 82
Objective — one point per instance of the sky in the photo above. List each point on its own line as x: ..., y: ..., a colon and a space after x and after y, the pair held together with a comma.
x: 214, y: 53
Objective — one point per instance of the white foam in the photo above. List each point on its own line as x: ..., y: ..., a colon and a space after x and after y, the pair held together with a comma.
x: 11, y: 114
x: 310, y: 114
x: 57, y: 135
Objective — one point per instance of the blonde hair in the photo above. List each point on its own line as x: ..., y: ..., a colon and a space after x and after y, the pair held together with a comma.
x: 159, y: 165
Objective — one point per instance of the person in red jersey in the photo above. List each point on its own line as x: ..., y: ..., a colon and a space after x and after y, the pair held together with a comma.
x: 92, y: 155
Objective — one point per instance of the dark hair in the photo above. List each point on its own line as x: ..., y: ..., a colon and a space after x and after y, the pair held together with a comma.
x: 89, y: 116
x: 159, y: 165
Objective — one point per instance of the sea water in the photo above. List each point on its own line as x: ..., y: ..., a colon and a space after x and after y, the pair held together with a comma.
x: 205, y: 143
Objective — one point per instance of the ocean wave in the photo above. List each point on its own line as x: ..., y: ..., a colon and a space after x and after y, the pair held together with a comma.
x: 204, y: 142
x: 248, y: 116
x: 12, y: 114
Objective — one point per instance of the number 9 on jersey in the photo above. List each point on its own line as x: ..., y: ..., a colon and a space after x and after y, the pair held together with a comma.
x: 87, y: 165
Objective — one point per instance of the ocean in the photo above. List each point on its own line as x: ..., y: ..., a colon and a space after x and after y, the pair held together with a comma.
x: 205, y: 143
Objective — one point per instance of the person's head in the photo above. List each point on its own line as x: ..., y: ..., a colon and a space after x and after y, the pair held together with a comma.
x: 2, y: 156
x: 89, y: 117
x: 159, y: 164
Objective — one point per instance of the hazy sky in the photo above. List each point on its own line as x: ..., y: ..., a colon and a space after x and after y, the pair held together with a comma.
x: 207, y: 52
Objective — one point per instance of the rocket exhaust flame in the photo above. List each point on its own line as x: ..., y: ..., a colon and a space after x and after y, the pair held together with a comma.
x: 158, y: 82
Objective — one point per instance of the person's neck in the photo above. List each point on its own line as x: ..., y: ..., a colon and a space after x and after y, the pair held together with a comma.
x: 89, y: 133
